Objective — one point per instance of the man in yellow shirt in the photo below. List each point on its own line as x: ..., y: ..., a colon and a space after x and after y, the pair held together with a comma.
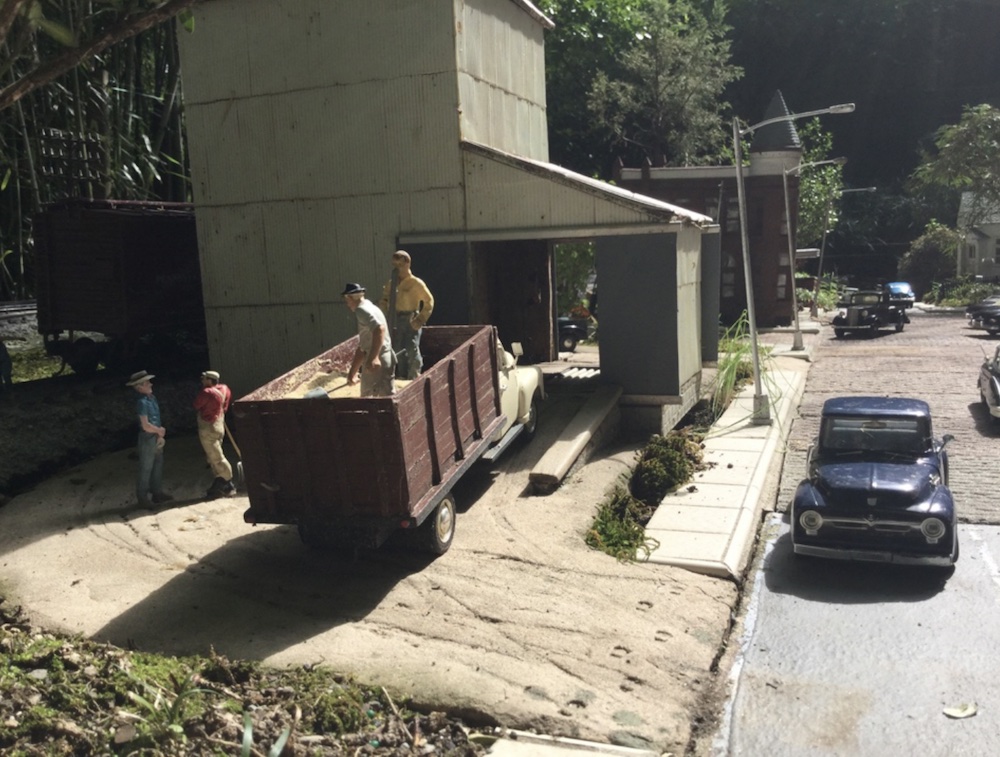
x: 407, y: 304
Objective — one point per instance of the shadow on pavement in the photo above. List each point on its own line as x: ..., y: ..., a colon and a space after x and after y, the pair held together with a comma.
x: 843, y: 582
x: 260, y: 594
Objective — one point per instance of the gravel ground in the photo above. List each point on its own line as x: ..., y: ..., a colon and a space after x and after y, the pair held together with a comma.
x: 62, y: 695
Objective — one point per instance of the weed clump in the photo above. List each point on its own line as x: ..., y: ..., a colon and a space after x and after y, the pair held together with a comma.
x: 664, y: 465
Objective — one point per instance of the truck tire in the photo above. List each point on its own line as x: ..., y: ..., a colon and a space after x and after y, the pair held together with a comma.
x: 438, y: 531
x: 84, y: 356
x: 531, y: 425
x: 313, y: 535
x: 567, y: 343
x: 899, y: 327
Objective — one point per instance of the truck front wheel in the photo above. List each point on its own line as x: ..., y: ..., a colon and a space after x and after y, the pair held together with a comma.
x: 531, y: 425
x: 438, y: 531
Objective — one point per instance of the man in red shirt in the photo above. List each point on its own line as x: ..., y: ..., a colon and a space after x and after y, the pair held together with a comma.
x: 212, y: 403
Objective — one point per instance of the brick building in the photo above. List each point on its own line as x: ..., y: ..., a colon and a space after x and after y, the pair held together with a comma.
x: 711, y: 190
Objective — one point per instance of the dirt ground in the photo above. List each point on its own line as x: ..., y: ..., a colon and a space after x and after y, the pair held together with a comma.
x: 520, y: 623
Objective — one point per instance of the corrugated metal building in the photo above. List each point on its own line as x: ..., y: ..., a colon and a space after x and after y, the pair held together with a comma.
x: 324, y: 136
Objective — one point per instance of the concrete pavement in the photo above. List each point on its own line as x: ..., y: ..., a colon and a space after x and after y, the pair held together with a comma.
x: 710, y: 525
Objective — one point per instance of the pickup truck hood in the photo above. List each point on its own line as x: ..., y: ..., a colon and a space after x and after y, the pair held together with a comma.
x: 898, y: 484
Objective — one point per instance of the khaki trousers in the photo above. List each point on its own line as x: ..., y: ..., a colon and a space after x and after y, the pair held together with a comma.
x: 211, y: 435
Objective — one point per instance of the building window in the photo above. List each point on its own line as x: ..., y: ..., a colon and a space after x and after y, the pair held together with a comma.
x: 782, y: 288
x: 996, y: 251
x: 972, y: 252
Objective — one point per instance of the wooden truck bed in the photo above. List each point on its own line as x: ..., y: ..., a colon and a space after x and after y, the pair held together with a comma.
x: 376, y: 463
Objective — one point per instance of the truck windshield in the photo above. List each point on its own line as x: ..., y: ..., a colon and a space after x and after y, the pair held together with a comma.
x: 899, y: 435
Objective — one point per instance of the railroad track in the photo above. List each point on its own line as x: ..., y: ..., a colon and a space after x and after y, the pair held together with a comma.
x: 17, y: 310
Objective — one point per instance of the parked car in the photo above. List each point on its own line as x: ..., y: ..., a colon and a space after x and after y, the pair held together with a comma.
x: 571, y: 332
x: 985, y: 315
x: 878, y: 486
x: 868, y: 311
x: 901, y: 294
x: 989, y: 384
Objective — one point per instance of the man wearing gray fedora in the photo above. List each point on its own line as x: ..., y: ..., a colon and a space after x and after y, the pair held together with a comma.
x: 149, y: 483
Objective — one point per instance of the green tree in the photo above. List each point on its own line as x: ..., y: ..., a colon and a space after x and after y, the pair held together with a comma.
x: 664, y: 103
x: 930, y: 258
x: 590, y: 36
x: 819, y: 186
x: 42, y: 42
x: 966, y: 157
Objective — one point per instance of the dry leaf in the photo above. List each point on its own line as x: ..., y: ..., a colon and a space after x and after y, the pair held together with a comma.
x: 964, y: 710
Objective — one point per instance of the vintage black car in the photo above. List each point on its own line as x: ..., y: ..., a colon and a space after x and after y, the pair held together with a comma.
x: 572, y: 331
x: 989, y: 384
x: 877, y: 487
x: 868, y: 311
x: 985, y: 315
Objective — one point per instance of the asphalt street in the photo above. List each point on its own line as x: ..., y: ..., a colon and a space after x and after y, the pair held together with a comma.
x: 859, y: 658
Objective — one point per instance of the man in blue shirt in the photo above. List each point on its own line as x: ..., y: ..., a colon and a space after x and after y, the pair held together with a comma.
x: 149, y: 484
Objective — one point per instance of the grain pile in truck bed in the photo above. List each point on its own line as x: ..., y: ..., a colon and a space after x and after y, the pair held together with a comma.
x: 334, y: 384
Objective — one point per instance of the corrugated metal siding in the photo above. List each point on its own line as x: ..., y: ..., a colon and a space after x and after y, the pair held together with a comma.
x: 292, y: 146
x: 502, y: 79
x: 259, y: 48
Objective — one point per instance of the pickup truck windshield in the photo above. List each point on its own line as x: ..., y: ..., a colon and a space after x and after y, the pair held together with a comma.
x: 897, y: 435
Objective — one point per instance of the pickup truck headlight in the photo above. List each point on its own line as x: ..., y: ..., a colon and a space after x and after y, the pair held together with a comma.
x: 812, y: 521
x: 932, y: 529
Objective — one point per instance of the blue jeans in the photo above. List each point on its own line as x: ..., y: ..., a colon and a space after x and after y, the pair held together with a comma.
x: 150, y: 479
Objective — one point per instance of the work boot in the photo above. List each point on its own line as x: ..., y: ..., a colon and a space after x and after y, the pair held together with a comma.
x: 216, y: 489
x: 160, y: 497
x: 229, y: 489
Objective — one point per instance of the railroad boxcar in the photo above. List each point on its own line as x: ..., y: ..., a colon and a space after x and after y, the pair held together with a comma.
x: 122, y: 269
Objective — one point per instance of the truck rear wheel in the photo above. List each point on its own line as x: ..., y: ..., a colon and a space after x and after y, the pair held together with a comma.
x: 438, y: 531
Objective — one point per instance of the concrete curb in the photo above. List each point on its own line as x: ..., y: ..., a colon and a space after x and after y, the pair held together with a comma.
x: 709, y: 526
x: 525, y: 744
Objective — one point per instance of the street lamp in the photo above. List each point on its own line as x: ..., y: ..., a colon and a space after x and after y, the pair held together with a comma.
x: 761, y: 409
x: 822, y: 245
x: 797, y: 338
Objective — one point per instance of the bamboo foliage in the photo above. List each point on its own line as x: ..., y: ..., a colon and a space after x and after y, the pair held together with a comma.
x: 110, y: 127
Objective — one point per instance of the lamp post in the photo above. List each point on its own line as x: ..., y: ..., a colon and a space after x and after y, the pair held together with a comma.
x: 761, y: 406
x: 822, y: 245
x: 797, y: 345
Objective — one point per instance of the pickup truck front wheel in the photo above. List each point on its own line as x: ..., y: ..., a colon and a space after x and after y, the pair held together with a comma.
x: 531, y: 425
x: 438, y: 531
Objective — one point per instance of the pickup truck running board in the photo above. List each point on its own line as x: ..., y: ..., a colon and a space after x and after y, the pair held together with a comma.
x: 497, y: 449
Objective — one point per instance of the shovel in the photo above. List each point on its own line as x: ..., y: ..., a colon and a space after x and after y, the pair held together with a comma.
x: 239, y: 481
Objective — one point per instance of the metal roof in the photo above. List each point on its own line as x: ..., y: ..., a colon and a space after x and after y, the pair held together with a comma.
x: 536, y: 14
x: 652, y: 208
x: 780, y: 136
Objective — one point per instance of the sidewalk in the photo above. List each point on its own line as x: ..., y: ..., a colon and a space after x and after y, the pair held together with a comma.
x: 709, y: 525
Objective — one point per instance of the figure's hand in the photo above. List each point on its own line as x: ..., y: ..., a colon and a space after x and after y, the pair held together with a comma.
x: 373, y: 363
x: 352, y: 379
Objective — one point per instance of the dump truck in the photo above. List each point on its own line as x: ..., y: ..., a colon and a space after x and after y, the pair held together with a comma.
x: 348, y: 471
